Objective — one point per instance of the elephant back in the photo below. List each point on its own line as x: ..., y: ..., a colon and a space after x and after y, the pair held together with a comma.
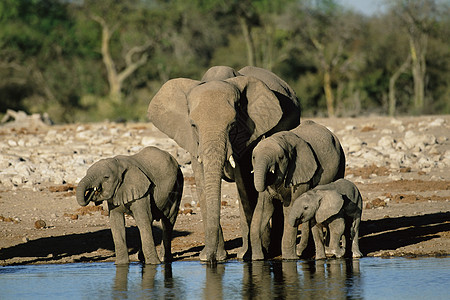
x: 326, y: 147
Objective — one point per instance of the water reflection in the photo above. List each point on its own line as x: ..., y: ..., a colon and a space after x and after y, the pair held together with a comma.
x: 373, y: 278
x: 252, y: 280
x: 295, y: 280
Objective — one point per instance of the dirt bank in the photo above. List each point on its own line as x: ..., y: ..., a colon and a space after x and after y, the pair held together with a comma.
x: 400, y: 165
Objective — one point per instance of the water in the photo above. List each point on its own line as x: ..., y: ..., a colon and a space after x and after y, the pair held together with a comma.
x: 366, y: 278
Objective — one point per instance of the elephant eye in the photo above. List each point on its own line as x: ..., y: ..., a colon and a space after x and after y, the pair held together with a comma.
x: 306, y: 207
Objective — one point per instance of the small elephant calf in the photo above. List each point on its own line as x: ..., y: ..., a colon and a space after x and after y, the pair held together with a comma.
x: 148, y: 186
x: 337, y: 206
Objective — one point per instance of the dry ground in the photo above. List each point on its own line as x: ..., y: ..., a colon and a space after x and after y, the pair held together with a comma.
x: 406, y: 213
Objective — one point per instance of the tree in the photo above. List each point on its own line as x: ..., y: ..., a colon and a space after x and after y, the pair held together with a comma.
x: 123, y: 19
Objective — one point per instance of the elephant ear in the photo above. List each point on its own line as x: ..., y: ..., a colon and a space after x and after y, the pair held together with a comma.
x: 331, y: 203
x: 135, y: 185
x: 169, y: 112
x: 262, y: 107
x: 303, y: 163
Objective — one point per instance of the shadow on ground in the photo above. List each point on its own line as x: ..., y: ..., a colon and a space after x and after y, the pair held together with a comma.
x: 393, y: 233
x: 50, y: 249
x: 375, y: 235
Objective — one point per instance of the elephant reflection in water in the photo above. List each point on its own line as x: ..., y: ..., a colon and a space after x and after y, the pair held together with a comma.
x: 149, y: 283
x: 334, y: 279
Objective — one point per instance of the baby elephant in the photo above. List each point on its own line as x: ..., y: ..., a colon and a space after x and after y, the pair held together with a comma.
x: 337, y: 206
x: 148, y: 186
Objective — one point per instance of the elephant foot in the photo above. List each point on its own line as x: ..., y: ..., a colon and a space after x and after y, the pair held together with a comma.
x: 257, y: 255
x: 242, y: 252
x: 122, y: 261
x: 152, y: 261
x: 356, y: 254
x: 220, y: 255
x: 320, y: 255
x: 289, y: 256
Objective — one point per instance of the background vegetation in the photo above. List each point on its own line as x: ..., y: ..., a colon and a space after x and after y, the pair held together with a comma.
x: 89, y: 60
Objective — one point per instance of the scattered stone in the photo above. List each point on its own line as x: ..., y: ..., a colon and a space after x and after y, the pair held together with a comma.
x: 39, y: 224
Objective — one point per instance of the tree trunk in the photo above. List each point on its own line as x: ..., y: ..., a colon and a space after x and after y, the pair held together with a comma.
x: 251, y: 60
x: 392, y: 81
x: 418, y: 66
x: 328, y: 92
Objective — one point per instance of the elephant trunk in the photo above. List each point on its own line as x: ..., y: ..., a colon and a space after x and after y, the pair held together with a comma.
x: 84, y: 191
x: 260, y: 173
x: 214, y: 155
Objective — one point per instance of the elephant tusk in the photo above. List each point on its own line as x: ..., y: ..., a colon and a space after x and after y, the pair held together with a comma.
x: 232, y: 162
x: 199, y: 160
x: 252, y: 171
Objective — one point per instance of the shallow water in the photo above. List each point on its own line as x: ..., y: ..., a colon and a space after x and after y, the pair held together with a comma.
x: 366, y: 278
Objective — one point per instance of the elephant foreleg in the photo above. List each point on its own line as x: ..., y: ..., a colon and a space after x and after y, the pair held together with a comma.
x: 289, y: 239
x: 317, y: 232
x: 248, y: 197
x: 143, y: 216
x: 336, y: 229
x: 306, y: 229
x: 221, y: 254
x: 261, y: 217
x: 117, y: 223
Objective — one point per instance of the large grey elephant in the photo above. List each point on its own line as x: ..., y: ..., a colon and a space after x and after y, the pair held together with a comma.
x: 286, y: 165
x: 337, y: 206
x: 218, y: 121
x: 147, y: 185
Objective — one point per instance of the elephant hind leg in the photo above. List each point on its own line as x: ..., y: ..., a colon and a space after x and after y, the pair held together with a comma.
x: 166, y: 247
x: 355, y: 237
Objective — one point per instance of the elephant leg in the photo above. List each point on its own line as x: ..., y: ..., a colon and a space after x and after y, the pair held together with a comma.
x: 117, y: 223
x: 248, y: 197
x: 317, y: 232
x: 221, y: 254
x: 166, y: 249
x: 261, y: 217
x: 336, y: 229
x: 306, y: 228
x: 143, y: 216
x: 289, y: 239
x: 355, y: 237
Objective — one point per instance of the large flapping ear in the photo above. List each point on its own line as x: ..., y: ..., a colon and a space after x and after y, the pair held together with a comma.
x: 263, y: 107
x: 169, y: 112
x: 303, y: 163
x: 330, y: 204
x: 135, y: 184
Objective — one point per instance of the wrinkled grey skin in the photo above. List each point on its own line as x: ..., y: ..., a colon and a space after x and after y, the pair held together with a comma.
x: 337, y: 206
x: 148, y: 186
x: 218, y: 118
x: 286, y: 165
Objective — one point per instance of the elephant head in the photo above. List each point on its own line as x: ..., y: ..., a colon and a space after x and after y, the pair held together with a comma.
x: 317, y: 204
x: 282, y: 157
x: 213, y: 120
x: 115, y: 180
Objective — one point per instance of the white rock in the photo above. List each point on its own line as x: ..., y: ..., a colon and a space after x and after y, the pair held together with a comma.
x: 437, y: 122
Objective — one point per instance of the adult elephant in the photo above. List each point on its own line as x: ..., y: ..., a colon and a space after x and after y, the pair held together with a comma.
x: 218, y: 121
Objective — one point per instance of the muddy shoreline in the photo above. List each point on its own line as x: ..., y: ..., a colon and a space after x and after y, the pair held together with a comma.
x: 401, y: 166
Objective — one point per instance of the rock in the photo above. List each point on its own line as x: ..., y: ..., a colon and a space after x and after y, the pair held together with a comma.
x: 39, y: 224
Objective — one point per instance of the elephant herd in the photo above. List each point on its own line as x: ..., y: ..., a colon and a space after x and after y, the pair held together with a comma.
x: 242, y: 126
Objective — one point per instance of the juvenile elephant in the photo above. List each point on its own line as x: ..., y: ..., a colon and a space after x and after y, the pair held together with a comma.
x: 218, y: 121
x: 337, y: 206
x: 286, y: 165
x: 148, y: 186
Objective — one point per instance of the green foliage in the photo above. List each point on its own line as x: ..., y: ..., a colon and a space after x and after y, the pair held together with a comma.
x: 51, y: 56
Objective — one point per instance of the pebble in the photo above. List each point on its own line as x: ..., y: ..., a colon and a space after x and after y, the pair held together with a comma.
x: 63, y: 154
